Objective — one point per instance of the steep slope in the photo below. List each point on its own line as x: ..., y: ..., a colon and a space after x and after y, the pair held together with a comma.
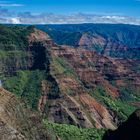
x: 75, y: 103
x: 48, y: 96
x: 73, y: 85
x: 128, y: 130
x: 84, y: 76
x: 13, y: 46
x: 17, y: 122
x: 61, y: 100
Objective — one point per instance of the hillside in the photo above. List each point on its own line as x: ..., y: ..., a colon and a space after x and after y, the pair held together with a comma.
x: 69, y: 85
x: 17, y: 122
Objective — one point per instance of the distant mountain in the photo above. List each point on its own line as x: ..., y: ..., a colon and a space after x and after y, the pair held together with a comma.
x: 115, y: 40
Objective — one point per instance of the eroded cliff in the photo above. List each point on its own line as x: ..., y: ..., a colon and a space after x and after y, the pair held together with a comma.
x: 75, y: 85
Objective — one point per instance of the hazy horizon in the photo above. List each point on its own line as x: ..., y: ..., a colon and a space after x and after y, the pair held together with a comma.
x: 70, y: 11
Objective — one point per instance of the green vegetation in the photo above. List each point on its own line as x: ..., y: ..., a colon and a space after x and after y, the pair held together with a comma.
x: 127, y: 93
x: 16, y: 74
x: 26, y: 85
x: 70, y: 132
x: 119, y: 32
x: 122, y: 108
x: 126, y: 35
x: 14, y: 37
x: 97, y: 48
x: 131, y: 53
x: 13, y: 46
x: 7, y: 54
x: 61, y: 67
x: 61, y: 36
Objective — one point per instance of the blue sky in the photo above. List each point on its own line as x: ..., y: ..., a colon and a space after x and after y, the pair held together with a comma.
x: 124, y: 7
x: 130, y: 8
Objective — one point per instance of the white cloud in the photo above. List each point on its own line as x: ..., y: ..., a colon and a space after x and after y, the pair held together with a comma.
x: 10, y: 5
x: 50, y: 18
x: 15, y: 20
x: 75, y: 19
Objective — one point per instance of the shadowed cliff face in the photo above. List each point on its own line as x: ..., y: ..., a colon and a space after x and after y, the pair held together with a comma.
x: 128, y: 130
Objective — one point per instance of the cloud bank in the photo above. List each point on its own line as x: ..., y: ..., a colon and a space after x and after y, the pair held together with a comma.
x: 7, y: 16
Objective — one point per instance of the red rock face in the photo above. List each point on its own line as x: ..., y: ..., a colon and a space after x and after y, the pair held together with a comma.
x: 90, y: 67
x: 87, y: 40
x: 98, y: 112
x: 43, y: 99
x: 38, y: 35
x: 108, y: 45
x: 78, y: 72
x: 76, y: 106
x: 92, y: 70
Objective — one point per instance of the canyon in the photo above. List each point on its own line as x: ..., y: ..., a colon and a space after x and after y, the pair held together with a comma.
x: 76, y: 84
